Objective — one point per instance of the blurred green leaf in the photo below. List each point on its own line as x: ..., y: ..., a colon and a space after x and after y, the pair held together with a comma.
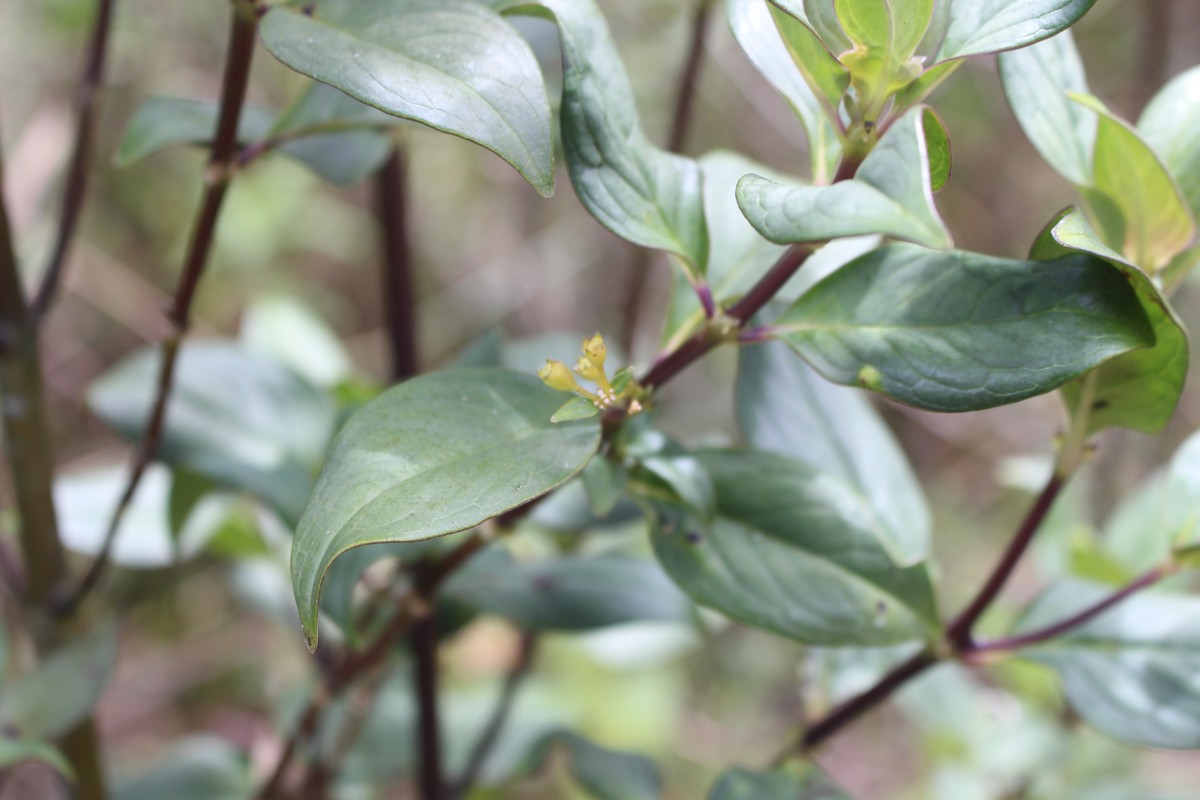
x: 163, y: 122
x: 744, y: 784
x: 826, y: 77
x: 643, y: 194
x: 197, y: 768
x: 793, y: 551
x: 989, y: 26
x: 605, y: 483
x: 437, y: 454
x: 1137, y: 533
x: 1130, y: 672
x: 18, y: 751
x: 755, y: 32
x: 63, y: 688
x: 1170, y: 124
x: 607, y: 774
x: 454, y: 65
x: 1137, y: 390
x: 784, y: 406
x: 341, y: 139
x: 240, y: 418
x: 890, y: 193
x: 86, y: 500
x: 1134, y: 203
x: 956, y: 331
x: 1037, y: 80
x: 286, y: 329
x: 573, y: 593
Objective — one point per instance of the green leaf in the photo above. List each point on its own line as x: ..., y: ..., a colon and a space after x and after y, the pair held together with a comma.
x: 821, y: 16
x: 1130, y: 672
x: 607, y: 774
x: 891, y: 194
x: 1170, y: 124
x: 63, y: 688
x: 604, y: 482
x: 1134, y: 203
x: 454, y: 65
x: 885, y: 36
x: 937, y: 143
x: 1137, y: 390
x: 957, y: 331
x: 989, y: 26
x: 755, y: 32
x: 197, y: 768
x: 437, y: 454
x: 573, y: 593
x: 341, y: 139
x: 641, y: 193
x: 1137, y: 534
x: 784, y: 406
x: 784, y: 784
x: 291, y: 332
x: 242, y: 419
x: 1037, y: 80
x: 164, y: 122
x: 825, y: 75
x: 18, y: 751
x: 575, y: 408
x: 739, y: 256
x: 925, y: 85
x: 793, y: 551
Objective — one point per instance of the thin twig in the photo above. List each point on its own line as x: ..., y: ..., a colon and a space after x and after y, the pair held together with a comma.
x: 217, y: 176
x: 81, y: 157
x: 423, y: 641
x: 959, y: 631
x: 1075, y: 620
x: 399, y: 296
x: 495, y: 725
x: 685, y: 95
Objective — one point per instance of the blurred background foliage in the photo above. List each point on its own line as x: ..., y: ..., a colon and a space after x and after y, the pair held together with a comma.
x: 211, y: 647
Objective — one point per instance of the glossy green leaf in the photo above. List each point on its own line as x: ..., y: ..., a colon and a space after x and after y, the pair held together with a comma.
x: 1137, y: 390
x: 1134, y: 203
x: 1134, y: 671
x: 885, y: 35
x: 437, y: 454
x: 793, y: 551
x: 937, y: 143
x: 989, y: 26
x: 739, y: 256
x: 454, y: 65
x: 1037, y: 80
x: 164, y: 122
x: 956, y: 331
x: 573, y: 593
x: 242, y: 419
x: 198, y: 768
x: 62, y: 689
x: 1170, y: 124
x: 755, y: 32
x: 641, y: 193
x: 784, y: 784
x: 825, y: 75
x: 19, y: 751
x: 784, y: 406
x: 890, y: 194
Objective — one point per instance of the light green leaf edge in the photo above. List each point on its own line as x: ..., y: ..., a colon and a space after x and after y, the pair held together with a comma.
x: 977, y: 27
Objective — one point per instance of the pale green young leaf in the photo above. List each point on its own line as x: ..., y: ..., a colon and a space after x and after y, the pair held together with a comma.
x: 890, y: 194
x: 454, y: 65
x: 755, y: 32
x: 784, y: 406
x: 1140, y: 389
x: 937, y: 144
x: 1130, y: 672
x: 1170, y: 124
x: 1037, y: 80
x: 638, y: 191
x: 925, y: 85
x: 1133, y: 202
x: 885, y: 35
x: 821, y: 16
x: 989, y: 26
x: 956, y: 331
x: 826, y: 76
x: 793, y: 551
x: 437, y: 454
x: 575, y: 408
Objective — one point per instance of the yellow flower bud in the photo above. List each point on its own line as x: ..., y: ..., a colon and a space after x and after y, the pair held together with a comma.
x: 557, y: 376
x: 595, y: 351
x: 588, y: 369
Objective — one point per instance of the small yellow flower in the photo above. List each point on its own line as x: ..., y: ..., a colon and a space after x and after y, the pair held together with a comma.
x: 595, y: 351
x: 558, y: 376
x: 589, y: 371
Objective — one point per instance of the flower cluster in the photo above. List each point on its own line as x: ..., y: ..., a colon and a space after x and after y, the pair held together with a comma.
x: 590, y: 367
